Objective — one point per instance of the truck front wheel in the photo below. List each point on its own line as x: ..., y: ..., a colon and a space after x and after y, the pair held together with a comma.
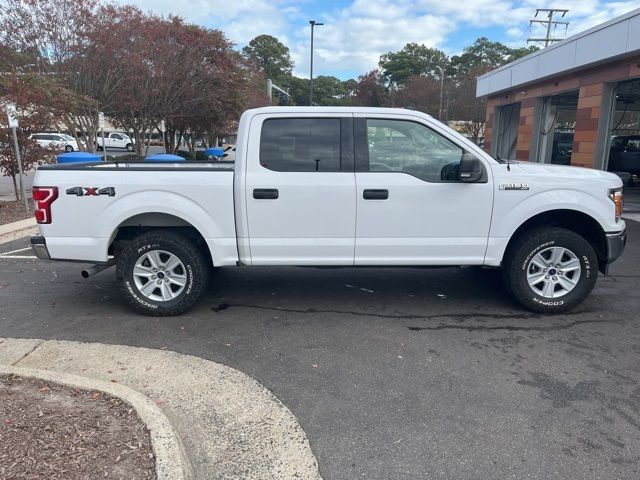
x: 162, y: 273
x: 550, y: 269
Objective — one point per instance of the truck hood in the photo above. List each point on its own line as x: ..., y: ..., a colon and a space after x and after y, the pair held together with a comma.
x: 568, y: 172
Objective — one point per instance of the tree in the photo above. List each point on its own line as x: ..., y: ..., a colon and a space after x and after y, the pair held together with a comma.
x: 370, y: 90
x: 485, y: 53
x: 413, y: 59
x: 466, y: 108
x: 269, y: 55
x: 32, y: 118
x: 419, y: 93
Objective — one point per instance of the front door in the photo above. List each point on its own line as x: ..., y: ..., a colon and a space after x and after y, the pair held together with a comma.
x: 411, y: 207
x: 300, y: 190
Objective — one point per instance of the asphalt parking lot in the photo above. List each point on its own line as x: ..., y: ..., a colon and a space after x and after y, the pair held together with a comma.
x: 393, y: 373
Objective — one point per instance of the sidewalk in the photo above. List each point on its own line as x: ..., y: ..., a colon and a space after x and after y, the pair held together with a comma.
x: 13, y: 231
x: 229, y: 424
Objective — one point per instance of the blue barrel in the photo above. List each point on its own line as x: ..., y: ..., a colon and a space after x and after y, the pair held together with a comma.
x: 214, y: 152
x: 78, y: 157
x: 163, y: 157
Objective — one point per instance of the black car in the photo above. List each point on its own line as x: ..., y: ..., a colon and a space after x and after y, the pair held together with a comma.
x: 624, y: 154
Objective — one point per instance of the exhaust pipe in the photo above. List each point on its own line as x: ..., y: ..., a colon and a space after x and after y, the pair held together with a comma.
x: 87, y: 272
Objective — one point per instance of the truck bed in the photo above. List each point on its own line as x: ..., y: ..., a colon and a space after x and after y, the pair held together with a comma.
x: 96, y: 199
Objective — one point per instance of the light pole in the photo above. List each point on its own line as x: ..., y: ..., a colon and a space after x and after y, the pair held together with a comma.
x: 313, y: 24
x: 441, y: 88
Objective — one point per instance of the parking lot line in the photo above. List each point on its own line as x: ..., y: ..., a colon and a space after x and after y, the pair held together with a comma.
x: 16, y: 251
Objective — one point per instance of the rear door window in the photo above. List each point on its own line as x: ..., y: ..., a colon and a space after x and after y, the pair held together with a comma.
x: 300, y: 144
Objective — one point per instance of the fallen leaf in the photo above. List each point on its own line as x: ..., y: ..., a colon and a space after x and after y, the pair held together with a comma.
x: 113, y: 380
x: 109, y: 371
x: 159, y: 402
x: 146, y: 369
x: 315, y: 365
x: 227, y: 344
x: 95, y: 396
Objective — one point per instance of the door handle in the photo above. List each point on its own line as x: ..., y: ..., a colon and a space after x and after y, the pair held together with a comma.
x: 265, y: 193
x: 375, y: 194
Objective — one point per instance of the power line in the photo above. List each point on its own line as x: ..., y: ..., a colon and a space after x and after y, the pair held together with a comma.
x: 549, y: 22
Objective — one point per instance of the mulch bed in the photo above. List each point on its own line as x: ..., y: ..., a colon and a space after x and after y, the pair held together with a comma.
x: 49, y: 431
x: 12, y: 212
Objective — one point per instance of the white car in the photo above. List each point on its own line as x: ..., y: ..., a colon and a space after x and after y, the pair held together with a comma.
x: 56, y: 141
x: 331, y: 186
x: 116, y: 140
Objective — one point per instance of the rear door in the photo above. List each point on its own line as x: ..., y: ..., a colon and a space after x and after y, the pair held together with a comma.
x: 300, y: 190
x: 411, y: 208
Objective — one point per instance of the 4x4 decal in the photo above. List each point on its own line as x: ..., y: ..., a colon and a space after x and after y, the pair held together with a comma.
x: 91, y: 191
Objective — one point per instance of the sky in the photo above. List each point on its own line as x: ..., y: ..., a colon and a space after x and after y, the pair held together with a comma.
x: 357, y: 32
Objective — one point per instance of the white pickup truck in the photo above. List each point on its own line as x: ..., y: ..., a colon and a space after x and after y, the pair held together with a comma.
x: 333, y: 186
x: 115, y: 140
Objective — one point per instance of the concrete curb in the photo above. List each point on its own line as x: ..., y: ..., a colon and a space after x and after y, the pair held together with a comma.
x: 230, y: 425
x: 171, y: 460
x: 15, y: 230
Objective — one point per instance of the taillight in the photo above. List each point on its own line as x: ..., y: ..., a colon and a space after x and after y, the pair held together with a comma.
x: 43, y: 197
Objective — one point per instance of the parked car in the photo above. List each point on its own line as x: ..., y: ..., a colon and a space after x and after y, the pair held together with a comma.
x: 333, y: 187
x: 116, y: 140
x: 624, y: 154
x: 55, y: 141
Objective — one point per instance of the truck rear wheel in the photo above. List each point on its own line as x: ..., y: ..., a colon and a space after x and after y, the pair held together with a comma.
x: 550, y: 269
x: 162, y: 273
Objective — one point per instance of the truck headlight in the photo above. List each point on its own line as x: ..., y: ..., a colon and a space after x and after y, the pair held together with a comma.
x: 615, y: 194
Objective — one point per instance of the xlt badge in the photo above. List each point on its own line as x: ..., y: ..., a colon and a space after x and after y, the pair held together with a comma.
x: 514, y: 186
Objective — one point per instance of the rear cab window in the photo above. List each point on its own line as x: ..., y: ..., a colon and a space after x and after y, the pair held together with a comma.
x: 301, y: 144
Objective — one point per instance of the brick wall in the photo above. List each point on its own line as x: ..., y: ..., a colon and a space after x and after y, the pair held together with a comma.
x: 589, y: 82
x: 587, y: 119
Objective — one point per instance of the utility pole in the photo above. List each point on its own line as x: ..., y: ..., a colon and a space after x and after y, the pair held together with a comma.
x: 549, y: 22
x: 313, y: 24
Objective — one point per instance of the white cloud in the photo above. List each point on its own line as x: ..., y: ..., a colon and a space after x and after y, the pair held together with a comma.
x: 354, y: 37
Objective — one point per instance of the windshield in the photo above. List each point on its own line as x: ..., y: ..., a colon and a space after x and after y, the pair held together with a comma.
x: 67, y: 137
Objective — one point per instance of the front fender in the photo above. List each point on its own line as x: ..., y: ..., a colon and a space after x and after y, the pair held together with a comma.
x: 513, y: 208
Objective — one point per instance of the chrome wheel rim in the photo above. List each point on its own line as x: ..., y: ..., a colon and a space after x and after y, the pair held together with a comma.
x: 159, y: 275
x: 554, y: 272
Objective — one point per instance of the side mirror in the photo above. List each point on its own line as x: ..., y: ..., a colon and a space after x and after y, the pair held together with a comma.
x: 470, y: 168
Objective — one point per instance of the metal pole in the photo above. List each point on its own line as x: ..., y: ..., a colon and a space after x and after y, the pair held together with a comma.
x: 311, y: 70
x: 313, y: 23
x: 104, y: 145
x: 22, y: 190
x: 441, y: 88
x: 269, y: 89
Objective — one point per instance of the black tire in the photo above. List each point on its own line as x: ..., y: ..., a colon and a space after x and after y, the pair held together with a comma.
x: 196, y: 268
x: 518, y: 258
x: 68, y: 148
x: 129, y: 147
